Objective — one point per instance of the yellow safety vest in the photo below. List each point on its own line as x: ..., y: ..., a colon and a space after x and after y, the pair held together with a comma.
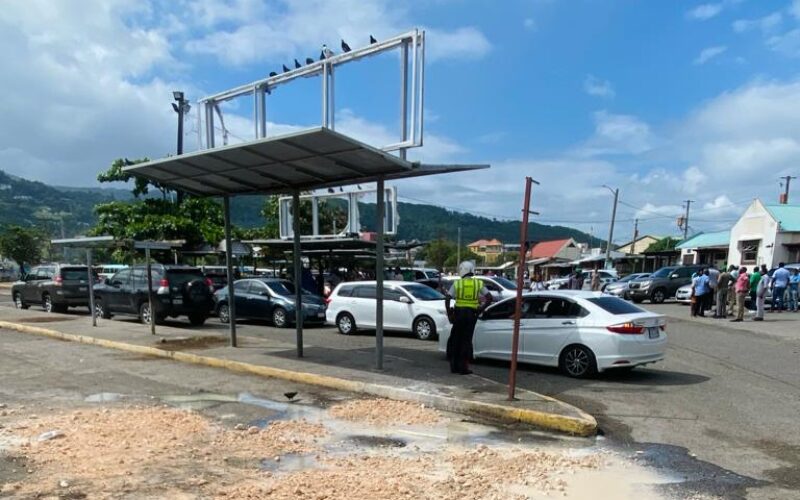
x: 468, y: 292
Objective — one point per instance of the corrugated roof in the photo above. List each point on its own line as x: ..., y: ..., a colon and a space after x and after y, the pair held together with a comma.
x: 548, y: 248
x: 787, y: 215
x: 707, y: 240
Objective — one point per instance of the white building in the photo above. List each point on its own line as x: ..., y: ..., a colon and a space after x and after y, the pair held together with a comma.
x: 766, y: 234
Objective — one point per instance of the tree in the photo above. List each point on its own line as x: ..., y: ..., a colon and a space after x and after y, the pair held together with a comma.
x: 22, y: 245
x: 437, y: 252
x: 663, y: 245
x: 195, y: 220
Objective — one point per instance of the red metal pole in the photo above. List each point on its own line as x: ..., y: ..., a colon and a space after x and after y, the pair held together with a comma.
x: 512, y: 376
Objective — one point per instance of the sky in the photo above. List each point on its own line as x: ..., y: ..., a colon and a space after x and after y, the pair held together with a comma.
x: 664, y: 100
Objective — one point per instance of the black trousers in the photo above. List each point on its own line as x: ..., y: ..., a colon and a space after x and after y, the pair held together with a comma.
x: 459, y: 344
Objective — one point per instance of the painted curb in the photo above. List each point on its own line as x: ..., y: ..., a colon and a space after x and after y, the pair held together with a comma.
x: 585, y: 425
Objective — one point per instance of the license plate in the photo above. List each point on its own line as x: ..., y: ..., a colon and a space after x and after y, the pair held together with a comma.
x: 177, y: 300
x: 320, y: 315
x: 83, y: 289
x: 653, y: 332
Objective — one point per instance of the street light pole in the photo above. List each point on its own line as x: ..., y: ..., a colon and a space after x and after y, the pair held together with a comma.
x: 611, y: 227
x: 182, y: 107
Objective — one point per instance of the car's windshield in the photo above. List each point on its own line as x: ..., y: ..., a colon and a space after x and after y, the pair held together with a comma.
x: 75, y: 274
x: 507, y: 284
x: 433, y: 275
x: 615, y: 305
x: 422, y: 292
x: 285, y: 288
x: 664, y: 272
x: 631, y: 277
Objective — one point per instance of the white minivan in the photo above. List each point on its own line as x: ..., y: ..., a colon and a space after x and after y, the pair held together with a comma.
x: 407, y: 307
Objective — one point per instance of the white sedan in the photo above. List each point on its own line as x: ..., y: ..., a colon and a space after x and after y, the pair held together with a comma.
x: 580, y: 332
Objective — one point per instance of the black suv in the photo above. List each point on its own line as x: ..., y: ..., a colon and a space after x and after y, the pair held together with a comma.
x: 177, y: 291
x: 55, y: 286
x: 662, y: 284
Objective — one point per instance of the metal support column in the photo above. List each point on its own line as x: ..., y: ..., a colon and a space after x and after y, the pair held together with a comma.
x: 403, y: 97
x: 379, y: 275
x: 91, y: 285
x: 226, y: 206
x: 150, y: 290
x: 298, y: 278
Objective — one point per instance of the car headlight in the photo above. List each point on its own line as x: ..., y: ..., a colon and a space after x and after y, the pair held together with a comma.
x: 645, y: 284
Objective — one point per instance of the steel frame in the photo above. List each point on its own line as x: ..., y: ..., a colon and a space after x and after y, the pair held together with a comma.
x: 412, y: 93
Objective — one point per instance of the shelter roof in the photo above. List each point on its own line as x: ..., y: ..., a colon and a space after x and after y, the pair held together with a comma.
x: 309, y: 159
x: 707, y: 240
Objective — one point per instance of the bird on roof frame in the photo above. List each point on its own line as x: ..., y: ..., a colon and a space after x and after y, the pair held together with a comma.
x: 345, y: 47
x: 372, y: 39
x: 297, y: 64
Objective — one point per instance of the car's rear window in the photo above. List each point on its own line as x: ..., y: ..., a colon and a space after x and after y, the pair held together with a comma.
x: 178, y: 277
x: 75, y: 273
x: 422, y: 292
x: 615, y: 305
x: 345, y: 291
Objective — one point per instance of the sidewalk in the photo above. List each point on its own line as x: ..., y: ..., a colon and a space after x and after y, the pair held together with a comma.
x: 784, y: 325
x: 420, y: 376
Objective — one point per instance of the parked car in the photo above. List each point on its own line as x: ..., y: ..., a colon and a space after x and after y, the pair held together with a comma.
x: 580, y: 332
x: 408, y: 307
x: 606, y: 277
x: 218, y: 275
x: 269, y: 298
x: 662, y: 284
x: 559, y: 283
x: 106, y: 271
x: 56, y: 287
x: 619, y: 288
x: 177, y: 291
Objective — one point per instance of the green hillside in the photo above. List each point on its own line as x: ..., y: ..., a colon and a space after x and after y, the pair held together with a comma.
x: 32, y: 203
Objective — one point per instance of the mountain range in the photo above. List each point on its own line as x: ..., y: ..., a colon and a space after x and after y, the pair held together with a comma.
x: 69, y: 211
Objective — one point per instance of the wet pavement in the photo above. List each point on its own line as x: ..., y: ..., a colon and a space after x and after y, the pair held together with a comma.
x: 44, y: 377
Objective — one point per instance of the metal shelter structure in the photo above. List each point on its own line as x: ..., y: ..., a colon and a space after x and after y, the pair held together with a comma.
x: 88, y: 244
x: 290, y: 164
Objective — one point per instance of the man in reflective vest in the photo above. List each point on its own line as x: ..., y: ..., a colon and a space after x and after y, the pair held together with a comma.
x: 471, y: 298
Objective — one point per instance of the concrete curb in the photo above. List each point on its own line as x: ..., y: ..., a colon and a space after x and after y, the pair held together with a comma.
x: 585, y: 425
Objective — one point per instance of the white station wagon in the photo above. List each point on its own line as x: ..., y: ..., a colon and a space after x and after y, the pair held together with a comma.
x: 407, y: 307
x: 580, y: 332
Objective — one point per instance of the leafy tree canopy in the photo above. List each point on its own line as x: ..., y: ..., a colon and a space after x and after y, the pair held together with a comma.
x: 22, y: 245
x: 663, y: 245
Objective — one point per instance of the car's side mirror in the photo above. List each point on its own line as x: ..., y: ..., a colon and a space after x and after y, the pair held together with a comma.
x: 404, y: 300
x: 106, y: 281
x: 673, y: 276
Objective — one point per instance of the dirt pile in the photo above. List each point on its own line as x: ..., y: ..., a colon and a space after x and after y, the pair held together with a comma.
x: 386, y: 412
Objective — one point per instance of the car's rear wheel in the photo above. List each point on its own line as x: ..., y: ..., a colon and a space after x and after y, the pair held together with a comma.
x: 224, y: 313
x: 346, y: 324
x: 658, y: 296
x: 279, y: 317
x: 100, y: 310
x: 18, y: 303
x: 424, y: 328
x: 578, y: 361
x: 144, y: 313
x: 197, y: 319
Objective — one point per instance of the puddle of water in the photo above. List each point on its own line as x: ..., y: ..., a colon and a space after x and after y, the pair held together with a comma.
x: 376, y: 441
x: 290, y: 462
x: 103, y: 397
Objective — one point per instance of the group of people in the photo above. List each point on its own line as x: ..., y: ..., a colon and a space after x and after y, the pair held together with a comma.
x: 732, y: 287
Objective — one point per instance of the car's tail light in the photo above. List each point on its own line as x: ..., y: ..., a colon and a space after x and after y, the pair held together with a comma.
x: 327, y: 300
x: 163, y: 287
x: 164, y: 282
x: 210, y: 285
x: 626, y: 329
x: 58, y: 280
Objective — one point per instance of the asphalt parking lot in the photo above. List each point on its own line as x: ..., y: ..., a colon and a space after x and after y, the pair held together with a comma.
x: 722, y: 407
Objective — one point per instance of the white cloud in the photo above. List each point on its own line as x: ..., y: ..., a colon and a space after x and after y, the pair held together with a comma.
x: 705, y: 11
x: 617, y: 134
x: 529, y: 24
x: 766, y: 24
x: 597, y: 87
x: 283, y: 29
x: 709, y: 53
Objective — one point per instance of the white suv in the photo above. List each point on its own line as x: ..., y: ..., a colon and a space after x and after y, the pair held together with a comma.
x: 407, y: 307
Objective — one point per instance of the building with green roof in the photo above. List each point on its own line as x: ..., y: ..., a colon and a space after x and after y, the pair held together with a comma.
x: 766, y: 234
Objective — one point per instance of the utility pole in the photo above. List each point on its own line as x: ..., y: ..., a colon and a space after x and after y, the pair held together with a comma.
x: 786, y: 180
x: 611, y: 227
x: 458, y: 248
x: 182, y: 107
x: 526, y: 211
x: 686, y: 220
x: 635, y: 235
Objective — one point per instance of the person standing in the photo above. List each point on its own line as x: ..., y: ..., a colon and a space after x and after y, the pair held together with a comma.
x: 742, y: 288
x: 779, y: 284
x: 761, y: 293
x: 537, y: 285
x: 794, y: 281
x: 755, y: 278
x: 713, y: 276
x: 470, y: 298
x: 734, y: 272
x: 723, y: 283
x: 702, y: 291
x: 595, y: 281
